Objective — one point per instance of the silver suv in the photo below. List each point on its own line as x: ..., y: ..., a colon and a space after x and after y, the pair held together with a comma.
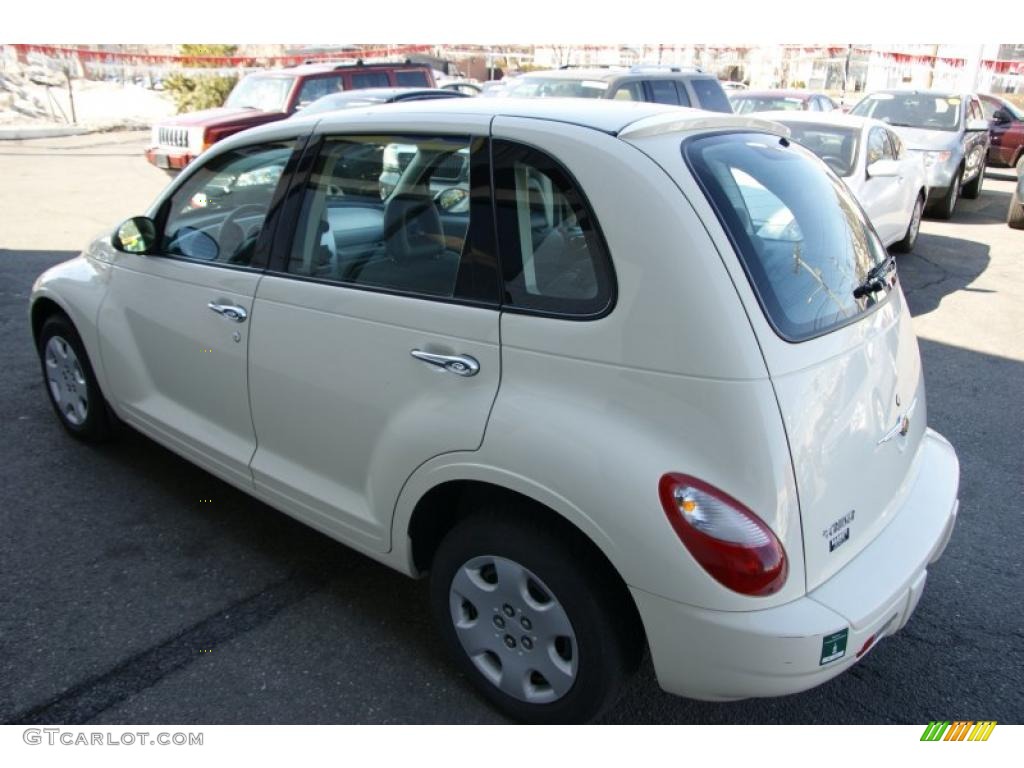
x: 665, y: 85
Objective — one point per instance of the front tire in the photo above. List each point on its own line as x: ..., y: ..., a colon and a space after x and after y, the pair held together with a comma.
x: 906, y: 245
x: 972, y: 190
x: 533, y: 626
x: 947, y: 204
x: 71, y: 383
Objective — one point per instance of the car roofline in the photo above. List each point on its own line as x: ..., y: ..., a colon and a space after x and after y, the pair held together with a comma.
x: 698, y: 120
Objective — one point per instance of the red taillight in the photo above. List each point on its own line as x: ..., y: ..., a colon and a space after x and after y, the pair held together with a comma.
x: 729, y: 541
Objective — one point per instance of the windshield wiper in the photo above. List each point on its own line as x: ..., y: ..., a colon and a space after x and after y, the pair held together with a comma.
x: 873, y: 281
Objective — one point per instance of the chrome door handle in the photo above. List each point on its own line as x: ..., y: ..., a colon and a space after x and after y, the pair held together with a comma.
x: 230, y: 311
x: 460, y: 365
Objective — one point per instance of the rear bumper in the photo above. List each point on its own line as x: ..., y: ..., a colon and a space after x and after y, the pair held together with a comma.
x: 169, y: 158
x: 721, y: 655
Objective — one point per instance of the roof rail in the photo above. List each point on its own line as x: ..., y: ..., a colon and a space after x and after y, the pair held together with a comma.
x: 591, y: 66
x: 663, y: 68
x: 342, y: 64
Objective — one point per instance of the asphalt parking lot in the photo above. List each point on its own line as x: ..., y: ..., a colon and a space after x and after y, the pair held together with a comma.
x: 124, y: 599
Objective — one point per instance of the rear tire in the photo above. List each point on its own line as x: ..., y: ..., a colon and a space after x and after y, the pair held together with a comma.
x: 906, y: 245
x: 71, y: 383
x: 551, y: 647
x: 972, y: 190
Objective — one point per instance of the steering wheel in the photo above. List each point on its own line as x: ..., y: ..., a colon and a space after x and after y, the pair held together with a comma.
x: 233, y: 239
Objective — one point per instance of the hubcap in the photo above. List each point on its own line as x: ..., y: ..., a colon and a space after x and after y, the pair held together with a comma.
x: 915, y: 221
x: 66, y: 380
x: 537, y: 661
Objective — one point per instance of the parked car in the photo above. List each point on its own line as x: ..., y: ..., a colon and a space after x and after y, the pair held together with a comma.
x: 1006, y: 131
x: 710, y: 432
x: 948, y: 128
x: 464, y: 87
x: 664, y: 85
x: 780, y: 100
x: 1015, y: 214
x: 265, y: 97
x: 371, y: 97
x: 887, y: 179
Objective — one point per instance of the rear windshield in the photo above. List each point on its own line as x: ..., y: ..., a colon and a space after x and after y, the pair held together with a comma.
x: 804, y: 242
x: 557, y: 87
x: 912, y: 110
x: 741, y: 105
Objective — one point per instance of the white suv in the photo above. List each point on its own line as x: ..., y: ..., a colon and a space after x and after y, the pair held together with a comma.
x: 654, y: 386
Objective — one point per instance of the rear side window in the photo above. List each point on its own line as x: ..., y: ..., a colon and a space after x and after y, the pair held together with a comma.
x: 684, y: 97
x: 370, y: 80
x: 552, y: 254
x: 710, y: 94
x: 803, y: 241
x: 415, y: 78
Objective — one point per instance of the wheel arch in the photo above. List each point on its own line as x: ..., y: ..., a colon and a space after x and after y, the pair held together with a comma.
x: 446, y: 502
x: 42, y: 309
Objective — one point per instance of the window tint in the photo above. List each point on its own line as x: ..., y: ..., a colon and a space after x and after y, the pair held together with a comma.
x: 552, y: 254
x: 388, y: 212
x: 800, y: 235
x: 370, y: 80
x: 710, y: 94
x: 218, y: 213
x: 663, y: 91
x: 630, y: 92
x: 321, y: 86
x: 826, y: 104
x: 989, y: 109
x: 414, y: 78
x: 812, y: 105
x: 834, y: 144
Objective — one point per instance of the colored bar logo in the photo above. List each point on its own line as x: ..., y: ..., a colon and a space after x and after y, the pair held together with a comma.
x: 958, y: 730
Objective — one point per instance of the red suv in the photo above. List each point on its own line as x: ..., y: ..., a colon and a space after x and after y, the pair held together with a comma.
x: 1006, y: 129
x: 264, y: 97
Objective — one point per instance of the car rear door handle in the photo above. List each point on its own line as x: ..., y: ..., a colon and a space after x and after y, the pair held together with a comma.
x: 230, y: 311
x: 460, y: 365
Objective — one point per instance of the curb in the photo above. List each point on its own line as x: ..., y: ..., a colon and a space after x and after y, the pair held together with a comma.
x: 16, y: 134
x: 24, y: 132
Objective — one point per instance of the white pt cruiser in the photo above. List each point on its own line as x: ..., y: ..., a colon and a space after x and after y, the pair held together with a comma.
x: 650, y: 383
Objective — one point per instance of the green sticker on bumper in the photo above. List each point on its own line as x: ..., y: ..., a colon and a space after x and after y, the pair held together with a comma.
x: 833, y: 647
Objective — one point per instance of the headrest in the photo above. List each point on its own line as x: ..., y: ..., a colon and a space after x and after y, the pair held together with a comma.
x: 412, y: 228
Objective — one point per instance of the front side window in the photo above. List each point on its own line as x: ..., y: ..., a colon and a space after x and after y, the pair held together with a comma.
x: 393, y: 213
x: 878, y: 146
x: 664, y: 91
x: 266, y: 94
x: 633, y: 91
x: 552, y: 254
x: 318, y: 87
x: 834, y: 144
x: 912, y: 110
x: 802, y: 239
x: 218, y: 213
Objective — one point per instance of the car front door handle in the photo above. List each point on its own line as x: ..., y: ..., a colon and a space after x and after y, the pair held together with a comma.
x: 460, y: 365
x: 230, y: 311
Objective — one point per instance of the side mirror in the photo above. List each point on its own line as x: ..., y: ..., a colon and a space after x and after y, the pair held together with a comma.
x: 884, y: 167
x: 1001, y: 116
x: 977, y: 125
x: 450, y: 199
x: 137, y: 235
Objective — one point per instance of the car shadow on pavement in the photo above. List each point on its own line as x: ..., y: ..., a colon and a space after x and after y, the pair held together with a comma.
x: 951, y: 264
